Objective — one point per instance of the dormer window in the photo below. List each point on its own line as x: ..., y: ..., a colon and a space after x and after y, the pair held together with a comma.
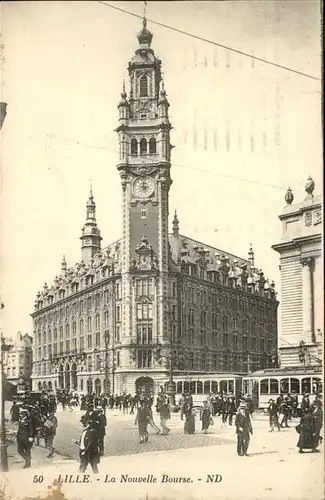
x: 143, y: 86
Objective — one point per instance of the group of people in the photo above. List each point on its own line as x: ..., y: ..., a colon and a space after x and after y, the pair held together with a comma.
x: 35, y: 418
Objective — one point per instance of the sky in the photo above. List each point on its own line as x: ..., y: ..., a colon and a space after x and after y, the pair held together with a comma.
x: 243, y: 130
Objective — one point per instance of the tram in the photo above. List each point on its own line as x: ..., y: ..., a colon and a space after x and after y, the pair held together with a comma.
x: 261, y: 385
x: 264, y: 385
x: 200, y: 386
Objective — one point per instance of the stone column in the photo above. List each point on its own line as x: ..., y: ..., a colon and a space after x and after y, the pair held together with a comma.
x: 308, y: 292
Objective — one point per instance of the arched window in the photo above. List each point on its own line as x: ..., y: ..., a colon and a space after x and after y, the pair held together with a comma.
x: 152, y: 146
x: 134, y: 147
x: 143, y: 86
x: 143, y: 146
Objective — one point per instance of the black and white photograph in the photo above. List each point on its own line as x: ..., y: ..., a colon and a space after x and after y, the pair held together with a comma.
x: 162, y: 277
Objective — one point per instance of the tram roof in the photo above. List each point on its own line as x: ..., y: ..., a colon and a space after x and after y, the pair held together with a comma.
x: 288, y: 371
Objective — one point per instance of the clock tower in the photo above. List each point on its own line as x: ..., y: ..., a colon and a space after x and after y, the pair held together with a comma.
x: 144, y: 167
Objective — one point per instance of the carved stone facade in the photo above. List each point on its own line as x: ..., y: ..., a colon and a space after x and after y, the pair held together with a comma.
x: 112, y: 315
x: 302, y: 311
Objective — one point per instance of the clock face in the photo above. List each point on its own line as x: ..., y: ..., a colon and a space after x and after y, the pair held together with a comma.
x: 143, y: 187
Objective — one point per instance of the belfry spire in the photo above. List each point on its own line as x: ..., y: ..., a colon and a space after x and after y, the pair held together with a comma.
x: 90, y: 237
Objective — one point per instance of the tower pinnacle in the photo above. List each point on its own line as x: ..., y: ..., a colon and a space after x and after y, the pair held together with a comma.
x: 251, y: 255
x: 90, y: 237
x: 175, y: 225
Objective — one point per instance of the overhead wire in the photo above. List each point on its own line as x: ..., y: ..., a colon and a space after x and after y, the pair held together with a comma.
x: 211, y: 42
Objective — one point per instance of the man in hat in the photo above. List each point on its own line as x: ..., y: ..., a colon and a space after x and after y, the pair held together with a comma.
x: 89, y: 451
x: 102, y: 422
x: 25, y: 436
x: 243, y: 429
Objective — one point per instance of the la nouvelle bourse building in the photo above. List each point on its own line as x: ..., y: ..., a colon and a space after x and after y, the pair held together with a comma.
x: 118, y: 319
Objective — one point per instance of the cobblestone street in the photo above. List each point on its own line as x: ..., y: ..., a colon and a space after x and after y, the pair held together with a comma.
x: 270, y: 471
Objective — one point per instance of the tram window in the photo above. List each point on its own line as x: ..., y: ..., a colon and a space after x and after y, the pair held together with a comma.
x: 284, y: 385
x: 305, y: 385
x: 186, y: 386
x: 231, y: 386
x: 199, y: 386
x: 193, y: 387
x: 223, y: 386
x: 295, y: 385
x: 207, y: 387
x: 214, y: 387
x: 179, y: 387
x: 317, y: 385
x: 274, y: 386
x: 264, y: 386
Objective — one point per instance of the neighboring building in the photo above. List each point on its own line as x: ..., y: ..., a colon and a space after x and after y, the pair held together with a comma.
x: 118, y: 314
x: 18, y: 361
x: 301, y: 265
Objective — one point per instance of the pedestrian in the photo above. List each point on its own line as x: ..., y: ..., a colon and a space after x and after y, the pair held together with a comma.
x: 142, y: 420
x: 230, y: 408
x: 189, y: 425
x: 102, y: 422
x: 317, y: 415
x: 164, y: 412
x: 25, y: 436
x: 89, y: 451
x: 305, y: 429
x: 273, y: 415
x: 206, y: 417
x: 14, y: 412
x: 243, y: 430
x: 151, y: 421
x: 50, y: 426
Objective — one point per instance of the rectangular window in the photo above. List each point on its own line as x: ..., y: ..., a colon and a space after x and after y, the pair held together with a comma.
x: 144, y: 358
x: 82, y: 343
x: 97, y: 321
x: 55, y: 349
x: 106, y: 318
x: 118, y: 291
x: 174, y: 313
x: 89, y: 324
x: 97, y: 339
x: 81, y: 326
x: 143, y: 214
x: 67, y: 346
x: 106, y: 297
x: 89, y: 341
x: 67, y: 330
x: 74, y: 328
x: 118, y: 313
x: 118, y: 334
x: 118, y: 358
x: 61, y: 347
x: 89, y: 304
x: 74, y: 345
x: 61, y: 332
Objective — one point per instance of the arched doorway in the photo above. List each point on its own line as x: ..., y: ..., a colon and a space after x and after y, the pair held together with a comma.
x: 144, y: 385
x: 97, y: 387
x: 67, y: 377
x: 89, y: 386
x: 74, y: 376
x: 60, y: 377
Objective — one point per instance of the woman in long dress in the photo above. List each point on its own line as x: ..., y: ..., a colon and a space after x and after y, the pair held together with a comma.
x: 305, y: 431
x: 205, y: 417
x: 142, y: 419
x: 189, y: 426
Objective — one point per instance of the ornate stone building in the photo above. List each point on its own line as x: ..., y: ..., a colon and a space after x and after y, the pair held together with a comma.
x: 301, y: 264
x: 126, y: 313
